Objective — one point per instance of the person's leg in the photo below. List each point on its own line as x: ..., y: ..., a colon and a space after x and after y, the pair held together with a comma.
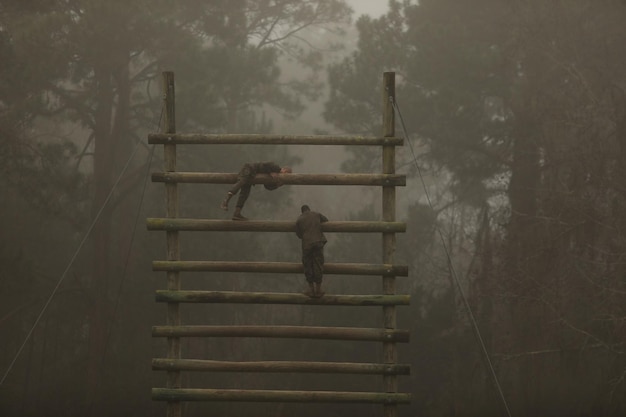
x: 311, y: 290
x: 244, y: 177
x: 318, y: 268
x: 224, y: 204
x: 318, y: 289
x: 307, y: 263
x: 234, y: 190
x: 243, y: 196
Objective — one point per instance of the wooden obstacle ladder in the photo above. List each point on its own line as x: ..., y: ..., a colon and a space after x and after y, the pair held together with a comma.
x: 173, y: 266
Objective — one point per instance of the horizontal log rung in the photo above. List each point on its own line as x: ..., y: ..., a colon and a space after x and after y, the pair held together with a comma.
x: 280, y: 267
x: 164, y: 364
x: 258, y: 139
x: 291, y: 179
x: 191, y: 394
x: 270, y: 226
x: 188, y: 296
x: 293, y: 332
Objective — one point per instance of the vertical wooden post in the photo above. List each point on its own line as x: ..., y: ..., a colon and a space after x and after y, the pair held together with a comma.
x: 390, y: 354
x: 174, y: 408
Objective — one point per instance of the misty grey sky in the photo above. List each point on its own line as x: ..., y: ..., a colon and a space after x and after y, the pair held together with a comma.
x: 327, y: 159
x: 374, y: 8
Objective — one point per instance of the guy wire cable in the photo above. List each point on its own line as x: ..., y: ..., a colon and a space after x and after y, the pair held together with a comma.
x: 130, y: 246
x: 452, y: 269
x: 69, y: 265
x: 121, y: 285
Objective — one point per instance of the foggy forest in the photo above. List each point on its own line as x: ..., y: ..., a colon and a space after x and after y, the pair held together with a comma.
x: 513, y: 115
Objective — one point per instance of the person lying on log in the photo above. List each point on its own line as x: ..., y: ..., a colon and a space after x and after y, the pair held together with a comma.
x: 244, y: 182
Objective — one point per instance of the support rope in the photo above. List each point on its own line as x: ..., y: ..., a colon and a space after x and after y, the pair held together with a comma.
x: 452, y: 269
x: 122, y: 280
x: 69, y: 265
x: 130, y: 247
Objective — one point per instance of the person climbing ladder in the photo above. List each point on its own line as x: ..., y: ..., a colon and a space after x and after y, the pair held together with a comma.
x: 244, y: 182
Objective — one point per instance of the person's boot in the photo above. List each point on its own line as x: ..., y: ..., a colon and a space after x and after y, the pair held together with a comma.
x: 318, y: 289
x: 310, y: 291
x: 224, y: 205
x: 237, y: 214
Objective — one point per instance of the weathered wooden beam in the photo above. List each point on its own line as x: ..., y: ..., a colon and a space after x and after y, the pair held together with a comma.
x: 256, y: 139
x: 278, y: 298
x: 196, y: 394
x: 391, y: 180
x: 279, y: 267
x: 197, y: 365
x: 174, y: 409
x: 390, y: 352
x: 204, y: 225
x: 292, y: 332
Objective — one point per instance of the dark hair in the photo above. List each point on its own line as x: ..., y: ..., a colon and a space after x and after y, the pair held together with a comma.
x: 305, y: 208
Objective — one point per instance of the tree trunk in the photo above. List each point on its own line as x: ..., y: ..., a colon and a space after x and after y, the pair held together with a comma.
x: 103, y: 165
x: 524, y: 314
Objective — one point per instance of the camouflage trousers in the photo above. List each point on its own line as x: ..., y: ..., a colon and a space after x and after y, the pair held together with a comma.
x: 313, y: 262
x: 244, y: 183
